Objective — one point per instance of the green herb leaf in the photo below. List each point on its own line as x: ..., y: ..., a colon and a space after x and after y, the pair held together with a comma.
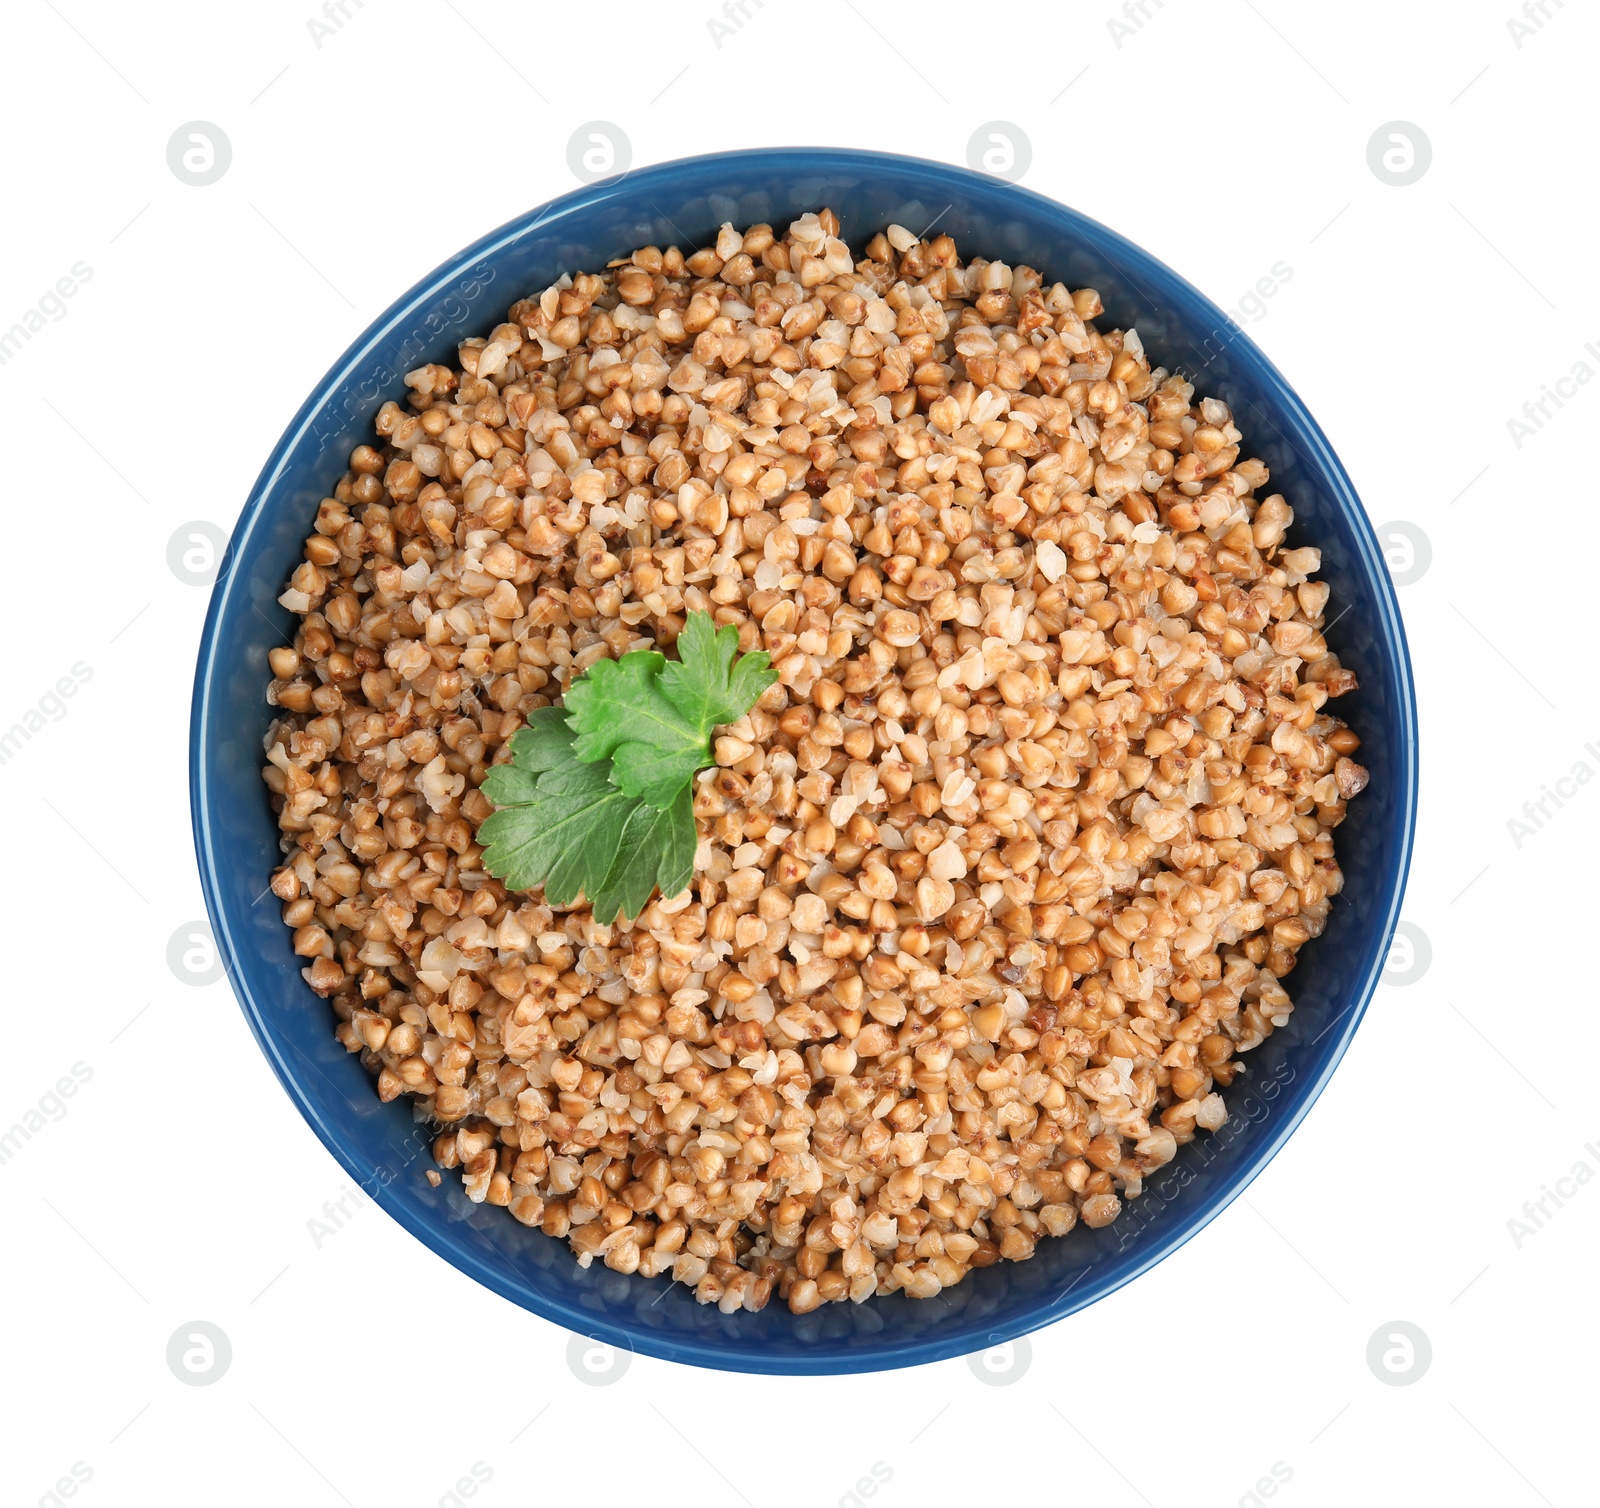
x: 544, y: 744
x: 652, y: 718
x: 598, y: 798
x: 546, y: 741
x: 563, y: 825
x: 562, y: 834
x: 656, y: 851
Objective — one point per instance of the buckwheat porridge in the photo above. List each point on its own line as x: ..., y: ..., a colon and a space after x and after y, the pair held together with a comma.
x: 992, y: 885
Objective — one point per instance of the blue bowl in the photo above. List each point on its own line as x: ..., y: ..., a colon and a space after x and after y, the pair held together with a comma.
x: 236, y: 837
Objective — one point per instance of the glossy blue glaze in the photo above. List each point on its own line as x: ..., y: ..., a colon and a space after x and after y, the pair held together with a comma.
x: 236, y: 840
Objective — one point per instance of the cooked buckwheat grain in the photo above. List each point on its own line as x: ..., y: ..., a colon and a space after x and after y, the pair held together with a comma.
x: 993, y: 884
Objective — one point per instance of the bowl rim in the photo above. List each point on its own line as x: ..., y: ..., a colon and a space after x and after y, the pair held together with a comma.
x: 1139, y: 266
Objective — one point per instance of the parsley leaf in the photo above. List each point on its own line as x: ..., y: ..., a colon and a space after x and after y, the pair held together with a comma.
x: 598, y: 797
x: 562, y: 834
x: 546, y: 742
x: 652, y: 718
x: 656, y: 851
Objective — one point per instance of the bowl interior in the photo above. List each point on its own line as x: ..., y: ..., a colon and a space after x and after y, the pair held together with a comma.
x: 683, y: 203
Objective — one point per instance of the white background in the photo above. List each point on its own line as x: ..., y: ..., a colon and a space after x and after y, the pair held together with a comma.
x: 1225, y: 137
